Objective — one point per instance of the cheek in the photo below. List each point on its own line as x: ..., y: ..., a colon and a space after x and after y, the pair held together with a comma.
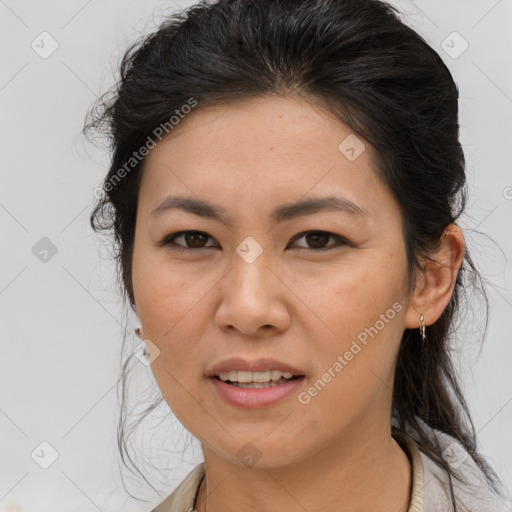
x: 355, y: 310
x: 167, y: 306
x: 164, y: 295
x: 344, y: 298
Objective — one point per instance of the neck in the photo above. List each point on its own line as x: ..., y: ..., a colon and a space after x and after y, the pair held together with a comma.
x: 372, y: 474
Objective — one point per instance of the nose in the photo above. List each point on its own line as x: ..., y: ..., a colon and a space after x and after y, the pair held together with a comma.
x: 253, y: 299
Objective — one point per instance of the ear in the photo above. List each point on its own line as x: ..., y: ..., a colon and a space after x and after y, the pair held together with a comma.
x: 140, y: 333
x: 434, y: 287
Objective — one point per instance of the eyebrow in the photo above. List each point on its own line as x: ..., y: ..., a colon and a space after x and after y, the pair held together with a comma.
x: 279, y: 214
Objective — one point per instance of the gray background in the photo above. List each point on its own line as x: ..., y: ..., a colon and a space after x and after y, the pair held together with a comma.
x: 61, y: 318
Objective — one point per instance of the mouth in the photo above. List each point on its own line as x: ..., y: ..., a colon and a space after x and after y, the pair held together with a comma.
x: 256, y: 395
x: 254, y: 384
x: 256, y: 380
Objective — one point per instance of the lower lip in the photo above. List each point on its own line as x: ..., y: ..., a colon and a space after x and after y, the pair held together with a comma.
x: 255, y: 398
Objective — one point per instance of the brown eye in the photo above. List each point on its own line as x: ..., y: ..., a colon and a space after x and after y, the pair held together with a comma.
x: 317, y: 240
x: 195, y: 239
x: 191, y: 239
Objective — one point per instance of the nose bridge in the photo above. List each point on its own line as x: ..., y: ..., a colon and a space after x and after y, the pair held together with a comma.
x: 251, y: 273
x: 249, y: 298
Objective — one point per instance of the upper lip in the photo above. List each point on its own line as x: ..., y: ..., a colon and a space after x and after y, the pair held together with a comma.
x: 258, y: 365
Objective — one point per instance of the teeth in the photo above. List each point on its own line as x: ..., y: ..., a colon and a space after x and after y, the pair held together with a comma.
x: 250, y: 385
x: 249, y: 377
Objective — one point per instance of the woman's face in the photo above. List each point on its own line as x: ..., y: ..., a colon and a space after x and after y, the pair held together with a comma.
x: 255, y: 285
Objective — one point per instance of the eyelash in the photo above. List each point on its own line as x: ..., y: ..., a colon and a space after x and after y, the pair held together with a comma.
x: 169, y: 240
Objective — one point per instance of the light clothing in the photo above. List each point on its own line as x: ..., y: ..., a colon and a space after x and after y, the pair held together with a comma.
x: 430, y: 488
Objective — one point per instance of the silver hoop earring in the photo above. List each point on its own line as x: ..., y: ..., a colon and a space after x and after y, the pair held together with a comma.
x: 422, y: 329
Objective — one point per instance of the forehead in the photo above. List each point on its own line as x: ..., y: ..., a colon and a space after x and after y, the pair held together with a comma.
x: 255, y: 150
x: 268, y: 126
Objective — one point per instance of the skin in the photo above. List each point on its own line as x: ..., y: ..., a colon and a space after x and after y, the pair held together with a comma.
x: 297, y: 302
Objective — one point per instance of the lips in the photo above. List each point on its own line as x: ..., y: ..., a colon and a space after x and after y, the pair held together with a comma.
x: 255, y: 397
x: 246, y: 365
